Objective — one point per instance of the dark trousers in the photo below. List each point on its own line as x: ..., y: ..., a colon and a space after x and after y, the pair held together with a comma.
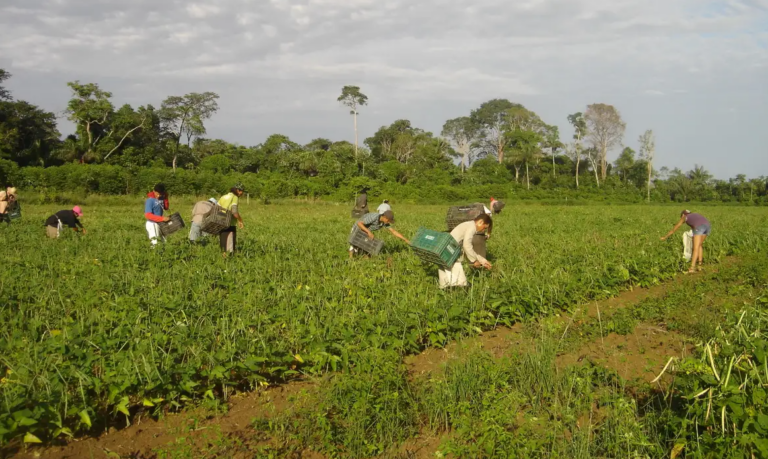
x: 228, y: 239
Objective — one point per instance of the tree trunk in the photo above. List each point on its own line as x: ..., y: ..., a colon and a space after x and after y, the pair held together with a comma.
x: 578, y: 160
x: 650, y: 168
x: 355, y: 118
x: 603, y: 162
x: 175, y: 155
x: 517, y: 173
x: 596, y: 178
x: 500, y: 150
x: 527, y: 176
x: 553, y: 164
x: 464, y: 162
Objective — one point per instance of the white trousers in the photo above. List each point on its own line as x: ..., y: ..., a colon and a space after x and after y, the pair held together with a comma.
x: 453, y: 277
x: 153, y: 231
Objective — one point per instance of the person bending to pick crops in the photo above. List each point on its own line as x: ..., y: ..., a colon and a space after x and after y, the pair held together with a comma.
x: 701, y: 229
x: 56, y: 222
x: 228, y: 237
x: 465, y: 235
x: 7, y: 200
x: 199, y: 211
x: 156, y: 203
x: 375, y: 221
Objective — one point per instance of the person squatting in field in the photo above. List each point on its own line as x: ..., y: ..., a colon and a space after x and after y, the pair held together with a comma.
x: 56, y: 222
x: 375, y: 221
x: 701, y: 229
x: 465, y: 234
x: 199, y: 211
x: 7, y: 200
x: 156, y: 203
x: 228, y: 237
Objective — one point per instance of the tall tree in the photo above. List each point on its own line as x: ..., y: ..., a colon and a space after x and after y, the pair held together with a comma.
x: 625, y: 162
x: 353, y: 98
x: 579, y: 132
x: 593, y: 156
x: 4, y: 93
x: 491, y: 119
x: 648, y: 152
x: 90, y: 109
x: 525, y: 135
x: 180, y: 115
x: 461, y: 132
x: 605, y: 131
x: 553, y: 144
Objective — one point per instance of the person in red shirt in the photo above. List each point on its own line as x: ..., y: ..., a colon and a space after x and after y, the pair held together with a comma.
x: 156, y: 203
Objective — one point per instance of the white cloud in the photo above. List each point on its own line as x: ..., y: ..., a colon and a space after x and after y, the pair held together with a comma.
x: 428, y: 60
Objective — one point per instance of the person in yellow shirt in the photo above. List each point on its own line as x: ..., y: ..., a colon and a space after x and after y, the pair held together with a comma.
x: 228, y: 237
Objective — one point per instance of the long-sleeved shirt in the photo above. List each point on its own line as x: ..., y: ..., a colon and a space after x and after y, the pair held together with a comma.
x: 464, y: 233
x: 154, y: 207
x: 66, y: 217
x: 200, y: 210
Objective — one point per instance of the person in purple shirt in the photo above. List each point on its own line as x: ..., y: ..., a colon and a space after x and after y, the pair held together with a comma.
x: 701, y: 229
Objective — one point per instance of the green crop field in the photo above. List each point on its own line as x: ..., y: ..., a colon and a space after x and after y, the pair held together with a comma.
x: 100, y: 326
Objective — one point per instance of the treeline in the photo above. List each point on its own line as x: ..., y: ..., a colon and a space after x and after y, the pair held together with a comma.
x: 501, y: 149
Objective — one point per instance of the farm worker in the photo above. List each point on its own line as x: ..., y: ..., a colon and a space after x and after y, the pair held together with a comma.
x: 56, y: 222
x: 384, y: 206
x: 701, y: 229
x: 361, y: 204
x: 464, y: 234
x: 199, y: 211
x: 228, y: 237
x: 156, y: 203
x: 7, y: 200
x: 375, y: 221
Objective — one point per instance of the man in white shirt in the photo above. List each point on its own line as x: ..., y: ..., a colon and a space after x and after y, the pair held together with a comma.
x: 464, y: 234
x: 383, y: 207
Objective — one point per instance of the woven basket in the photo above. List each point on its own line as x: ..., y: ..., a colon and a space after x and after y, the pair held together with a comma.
x: 217, y: 220
x: 460, y: 214
x: 174, y: 224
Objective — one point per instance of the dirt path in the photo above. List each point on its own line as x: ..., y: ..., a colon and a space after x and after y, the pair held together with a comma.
x: 641, y: 354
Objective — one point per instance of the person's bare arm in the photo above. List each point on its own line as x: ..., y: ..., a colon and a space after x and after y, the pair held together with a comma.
x: 677, y: 227
x: 472, y: 256
x: 398, y: 235
x: 237, y: 216
x: 362, y: 226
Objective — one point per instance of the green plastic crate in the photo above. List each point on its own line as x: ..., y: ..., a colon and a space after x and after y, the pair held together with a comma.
x: 436, y: 247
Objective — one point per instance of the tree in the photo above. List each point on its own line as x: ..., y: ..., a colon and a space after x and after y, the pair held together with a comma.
x: 353, y: 98
x: 647, y: 152
x: 28, y: 135
x: 580, y: 130
x: 625, y: 162
x: 181, y: 115
x: 461, y: 132
x: 525, y: 134
x: 4, y: 93
x: 605, y: 130
x: 491, y: 120
x: 552, y: 143
x: 593, y: 155
x: 89, y: 109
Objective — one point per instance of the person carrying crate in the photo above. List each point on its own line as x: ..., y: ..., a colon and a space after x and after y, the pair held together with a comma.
x: 70, y: 218
x: 465, y: 234
x: 199, y: 211
x: 375, y: 221
x: 155, y: 204
x: 228, y: 237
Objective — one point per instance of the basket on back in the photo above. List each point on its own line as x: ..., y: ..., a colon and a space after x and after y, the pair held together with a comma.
x: 359, y: 240
x: 172, y: 225
x: 216, y: 220
x: 436, y: 247
x: 460, y: 214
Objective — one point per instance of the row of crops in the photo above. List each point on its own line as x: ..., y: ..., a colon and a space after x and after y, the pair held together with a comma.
x: 98, y: 327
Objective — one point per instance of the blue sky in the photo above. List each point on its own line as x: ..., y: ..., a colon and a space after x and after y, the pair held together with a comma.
x: 695, y: 72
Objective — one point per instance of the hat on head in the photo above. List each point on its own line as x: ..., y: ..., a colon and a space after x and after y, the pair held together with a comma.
x: 685, y: 212
x: 213, y: 200
x: 77, y: 210
x: 390, y: 215
x: 240, y: 187
x: 386, y: 201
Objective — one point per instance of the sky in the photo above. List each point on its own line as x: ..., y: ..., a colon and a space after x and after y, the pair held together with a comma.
x: 693, y: 71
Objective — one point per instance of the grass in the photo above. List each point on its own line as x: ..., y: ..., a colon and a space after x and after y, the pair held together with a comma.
x: 99, y: 328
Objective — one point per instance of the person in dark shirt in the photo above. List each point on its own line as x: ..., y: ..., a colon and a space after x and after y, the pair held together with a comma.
x: 701, y: 229
x: 62, y: 218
